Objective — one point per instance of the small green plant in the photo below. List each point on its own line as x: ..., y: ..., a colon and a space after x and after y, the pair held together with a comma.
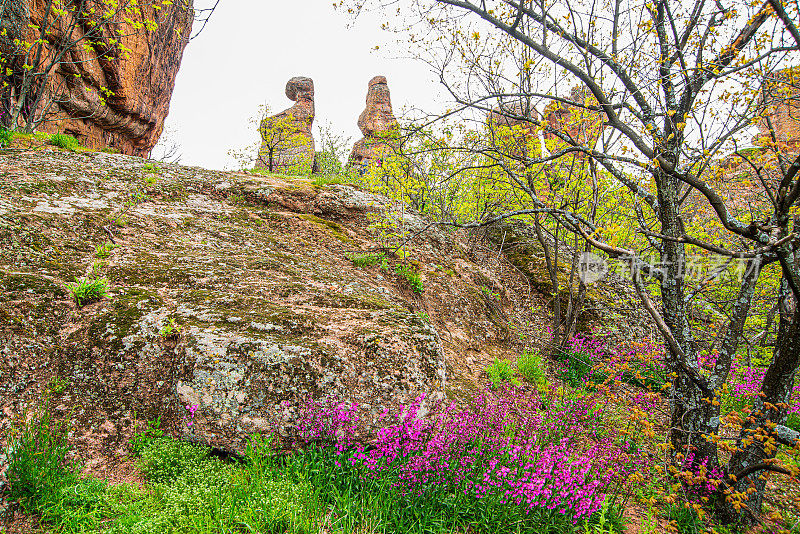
x: 170, y: 329
x: 424, y: 316
x: 606, y: 521
x: 64, y: 141
x: 151, y: 433
x: 151, y: 171
x: 531, y: 367
x: 500, y: 372
x: 57, y: 385
x: 366, y: 259
x: 6, y: 136
x: 86, y: 290
x: 411, y: 275
x: 104, y: 250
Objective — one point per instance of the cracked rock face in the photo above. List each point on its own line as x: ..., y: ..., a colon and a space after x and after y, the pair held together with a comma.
x: 377, y: 124
x: 287, y: 142
x: 141, y: 83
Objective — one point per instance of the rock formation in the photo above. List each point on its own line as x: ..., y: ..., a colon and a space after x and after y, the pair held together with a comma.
x: 141, y: 81
x: 780, y: 97
x: 287, y: 144
x: 377, y: 124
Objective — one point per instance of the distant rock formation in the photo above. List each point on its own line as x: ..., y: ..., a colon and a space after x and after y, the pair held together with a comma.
x: 141, y: 83
x: 377, y: 123
x: 287, y: 144
x: 515, y: 123
x: 781, y: 98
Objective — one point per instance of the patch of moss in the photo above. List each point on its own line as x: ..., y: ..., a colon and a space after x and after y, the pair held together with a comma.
x: 11, y: 283
x: 334, y: 229
x: 124, y: 315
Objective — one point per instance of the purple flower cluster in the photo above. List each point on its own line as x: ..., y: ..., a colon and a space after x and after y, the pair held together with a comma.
x: 508, y: 445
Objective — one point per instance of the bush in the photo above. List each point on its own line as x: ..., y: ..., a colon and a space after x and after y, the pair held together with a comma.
x: 500, y: 372
x: 6, y: 136
x: 85, y: 290
x: 327, y: 163
x: 64, y: 141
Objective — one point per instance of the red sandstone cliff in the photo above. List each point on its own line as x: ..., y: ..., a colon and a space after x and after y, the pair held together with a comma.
x: 132, y: 118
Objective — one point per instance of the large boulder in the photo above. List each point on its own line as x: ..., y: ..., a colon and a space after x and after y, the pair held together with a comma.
x: 287, y: 144
x: 232, y: 292
x: 377, y: 123
x: 119, y: 102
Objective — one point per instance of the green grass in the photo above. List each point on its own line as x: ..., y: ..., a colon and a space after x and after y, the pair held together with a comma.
x: 531, y: 367
x: 85, y: 290
x: 189, y: 490
x: 411, y: 276
x: 64, y: 141
x: 501, y: 372
x: 366, y: 259
x: 330, y: 179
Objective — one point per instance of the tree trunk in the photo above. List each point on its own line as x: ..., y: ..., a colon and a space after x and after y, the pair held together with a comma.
x: 758, y: 441
x: 693, y: 414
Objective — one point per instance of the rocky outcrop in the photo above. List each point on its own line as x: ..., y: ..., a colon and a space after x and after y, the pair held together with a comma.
x: 287, y: 144
x: 117, y: 100
x: 377, y: 124
x: 232, y: 292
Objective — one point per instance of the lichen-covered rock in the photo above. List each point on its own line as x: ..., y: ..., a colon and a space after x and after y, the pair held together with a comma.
x: 377, y: 124
x: 228, y: 291
x: 137, y: 86
x: 287, y: 144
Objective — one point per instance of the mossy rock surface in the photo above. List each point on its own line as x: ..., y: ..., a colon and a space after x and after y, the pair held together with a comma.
x: 253, y: 271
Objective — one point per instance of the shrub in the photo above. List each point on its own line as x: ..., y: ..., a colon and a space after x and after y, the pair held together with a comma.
x: 64, y: 141
x: 500, y: 372
x: 327, y: 162
x: 411, y: 275
x: 6, y: 136
x: 85, y: 290
x: 531, y: 367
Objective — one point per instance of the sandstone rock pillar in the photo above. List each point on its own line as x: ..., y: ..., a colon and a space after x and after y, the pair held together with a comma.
x: 377, y: 124
x: 287, y: 145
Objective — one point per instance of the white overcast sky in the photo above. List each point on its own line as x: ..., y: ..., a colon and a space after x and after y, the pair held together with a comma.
x: 250, y: 49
